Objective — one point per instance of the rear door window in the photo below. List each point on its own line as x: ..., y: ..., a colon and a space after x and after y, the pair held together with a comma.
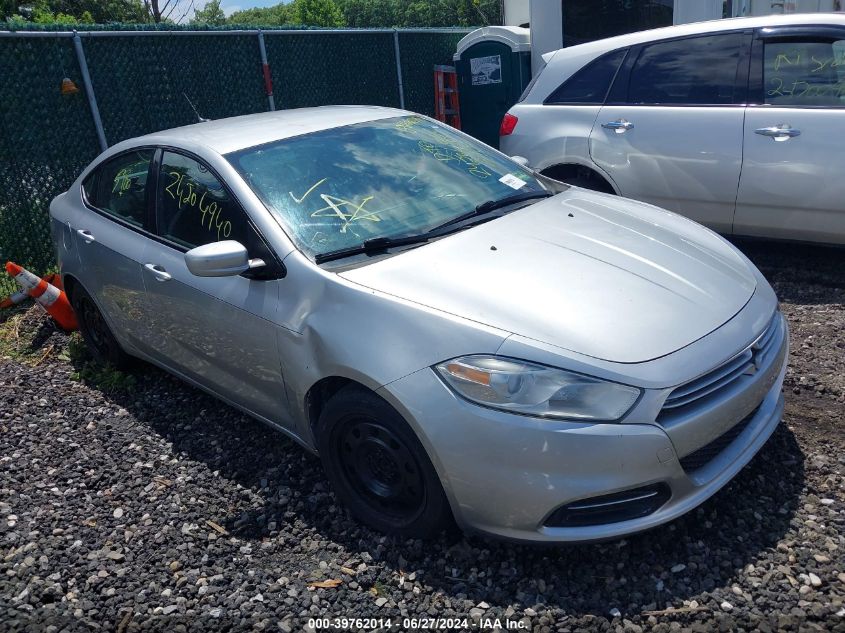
x: 590, y: 85
x: 689, y: 71
x: 804, y: 72
x: 118, y: 187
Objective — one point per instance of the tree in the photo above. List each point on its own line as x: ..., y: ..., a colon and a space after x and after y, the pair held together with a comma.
x: 99, y: 11
x: 369, y: 13
x: 210, y: 14
x: 316, y: 13
x: 168, y: 10
x: 262, y: 16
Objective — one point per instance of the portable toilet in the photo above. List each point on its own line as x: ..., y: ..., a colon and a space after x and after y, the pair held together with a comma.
x: 494, y: 67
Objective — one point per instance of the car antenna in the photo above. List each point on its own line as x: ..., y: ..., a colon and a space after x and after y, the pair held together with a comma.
x: 199, y: 118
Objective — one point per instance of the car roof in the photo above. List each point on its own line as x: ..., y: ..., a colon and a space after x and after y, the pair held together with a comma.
x: 700, y: 28
x: 239, y: 132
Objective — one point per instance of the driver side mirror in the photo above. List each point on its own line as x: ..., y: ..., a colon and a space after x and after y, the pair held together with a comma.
x: 220, y: 259
x: 521, y: 160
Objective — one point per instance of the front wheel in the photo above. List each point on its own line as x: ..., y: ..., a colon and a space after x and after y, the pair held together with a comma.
x: 378, y: 466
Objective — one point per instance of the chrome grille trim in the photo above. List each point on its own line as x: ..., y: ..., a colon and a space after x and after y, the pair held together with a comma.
x: 744, y: 363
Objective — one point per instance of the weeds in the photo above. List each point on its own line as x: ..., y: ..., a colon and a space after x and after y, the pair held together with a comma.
x: 103, y: 376
x: 29, y: 336
x: 23, y: 332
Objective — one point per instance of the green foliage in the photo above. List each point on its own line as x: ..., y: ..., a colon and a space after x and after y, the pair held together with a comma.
x: 313, y: 13
x: 316, y: 13
x: 99, y: 375
x: 420, y: 13
x: 104, y: 377
x: 210, y: 14
x: 364, y: 13
x: 262, y: 16
x: 73, y: 11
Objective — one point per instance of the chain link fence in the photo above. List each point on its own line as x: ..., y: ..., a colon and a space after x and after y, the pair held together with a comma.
x: 145, y: 80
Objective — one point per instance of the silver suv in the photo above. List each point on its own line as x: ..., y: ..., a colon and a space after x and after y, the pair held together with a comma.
x: 737, y: 124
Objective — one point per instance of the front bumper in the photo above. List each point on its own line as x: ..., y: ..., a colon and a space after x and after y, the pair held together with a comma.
x: 506, y: 474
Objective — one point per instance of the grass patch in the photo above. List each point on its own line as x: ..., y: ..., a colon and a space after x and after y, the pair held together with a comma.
x: 26, y: 334
x: 29, y: 336
x: 103, y: 376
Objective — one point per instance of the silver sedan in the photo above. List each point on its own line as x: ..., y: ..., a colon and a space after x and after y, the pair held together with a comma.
x: 459, y: 338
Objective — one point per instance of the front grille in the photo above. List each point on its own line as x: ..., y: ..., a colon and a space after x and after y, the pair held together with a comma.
x: 612, y: 508
x: 709, y: 385
x: 706, y: 454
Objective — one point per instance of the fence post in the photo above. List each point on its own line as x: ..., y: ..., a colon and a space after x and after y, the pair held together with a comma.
x: 89, y: 90
x: 398, y: 68
x: 265, y: 68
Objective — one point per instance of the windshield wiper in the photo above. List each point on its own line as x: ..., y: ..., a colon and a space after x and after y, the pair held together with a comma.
x: 381, y: 244
x: 372, y: 245
x: 492, y: 205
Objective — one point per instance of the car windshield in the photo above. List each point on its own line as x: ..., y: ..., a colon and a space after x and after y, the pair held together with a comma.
x: 392, y: 177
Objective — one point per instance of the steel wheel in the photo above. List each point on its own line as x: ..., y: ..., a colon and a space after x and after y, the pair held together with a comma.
x: 381, y: 468
x: 378, y: 467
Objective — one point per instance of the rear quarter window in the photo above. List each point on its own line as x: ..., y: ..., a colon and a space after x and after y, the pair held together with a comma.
x: 118, y: 187
x: 590, y: 85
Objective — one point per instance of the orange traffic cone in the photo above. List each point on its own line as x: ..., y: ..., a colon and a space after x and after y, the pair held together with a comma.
x: 53, y: 300
x: 17, y: 297
x: 14, y: 299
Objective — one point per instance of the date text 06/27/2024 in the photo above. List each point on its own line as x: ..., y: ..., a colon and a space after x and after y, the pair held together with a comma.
x: 418, y: 624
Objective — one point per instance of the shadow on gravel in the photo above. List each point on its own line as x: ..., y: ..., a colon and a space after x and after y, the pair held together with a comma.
x: 795, y: 269
x: 693, y: 555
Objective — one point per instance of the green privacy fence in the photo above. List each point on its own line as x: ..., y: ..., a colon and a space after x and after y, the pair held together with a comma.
x: 138, y: 80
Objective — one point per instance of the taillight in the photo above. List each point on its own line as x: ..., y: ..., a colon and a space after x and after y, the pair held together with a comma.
x: 509, y: 122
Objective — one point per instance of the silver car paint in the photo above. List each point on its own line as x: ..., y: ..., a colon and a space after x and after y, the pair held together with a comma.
x: 678, y: 280
x: 793, y: 189
x: 703, y: 162
x: 658, y: 162
x: 318, y: 323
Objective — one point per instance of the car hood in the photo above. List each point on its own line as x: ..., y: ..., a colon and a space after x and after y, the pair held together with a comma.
x: 599, y: 275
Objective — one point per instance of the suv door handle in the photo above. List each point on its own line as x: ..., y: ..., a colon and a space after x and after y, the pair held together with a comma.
x: 158, y: 272
x: 86, y: 235
x: 620, y: 126
x: 778, y: 132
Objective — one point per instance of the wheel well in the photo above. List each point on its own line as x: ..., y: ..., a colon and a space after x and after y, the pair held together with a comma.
x: 69, y: 283
x: 321, y: 392
x: 580, y: 175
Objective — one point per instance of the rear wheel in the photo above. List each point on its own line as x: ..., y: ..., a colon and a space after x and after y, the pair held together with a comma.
x: 378, y: 466
x: 579, y: 176
x: 95, y: 331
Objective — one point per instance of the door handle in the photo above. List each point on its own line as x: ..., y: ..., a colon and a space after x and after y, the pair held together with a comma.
x: 620, y: 126
x: 86, y: 235
x: 778, y: 132
x: 158, y: 272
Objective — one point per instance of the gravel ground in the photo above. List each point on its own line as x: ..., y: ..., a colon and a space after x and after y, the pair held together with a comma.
x: 142, y: 504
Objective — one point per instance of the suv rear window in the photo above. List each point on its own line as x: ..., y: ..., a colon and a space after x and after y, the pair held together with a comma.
x: 590, y: 85
x: 689, y: 71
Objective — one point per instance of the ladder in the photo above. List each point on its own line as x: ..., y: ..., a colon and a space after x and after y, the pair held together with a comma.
x: 447, y: 109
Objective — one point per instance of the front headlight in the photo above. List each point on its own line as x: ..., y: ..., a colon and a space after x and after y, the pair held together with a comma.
x: 522, y: 387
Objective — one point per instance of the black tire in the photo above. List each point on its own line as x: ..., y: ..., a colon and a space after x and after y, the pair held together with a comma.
x: 580, y: 177
x: 95, y: 331
x: 584, y: 183
x: 378, y: 467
